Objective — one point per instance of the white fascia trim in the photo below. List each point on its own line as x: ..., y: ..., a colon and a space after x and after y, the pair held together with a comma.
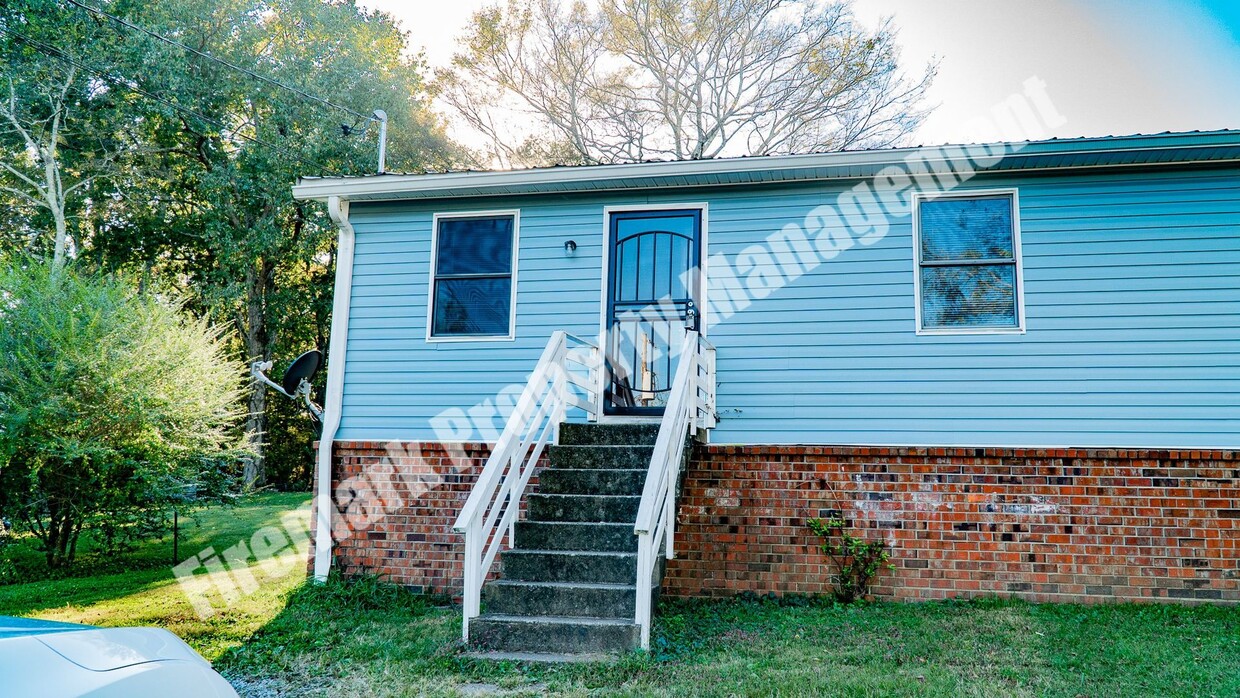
x: 360, y: 187
x: 338, y: 209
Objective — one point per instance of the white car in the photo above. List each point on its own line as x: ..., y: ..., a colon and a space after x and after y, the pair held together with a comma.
x: 45, y: 659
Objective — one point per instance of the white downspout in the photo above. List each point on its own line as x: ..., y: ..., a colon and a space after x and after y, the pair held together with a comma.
x: 338, y: 209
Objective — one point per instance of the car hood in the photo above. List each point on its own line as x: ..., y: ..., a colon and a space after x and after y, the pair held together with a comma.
x: 45, y: 658
x: 100, y: 649
x: 114, y: 648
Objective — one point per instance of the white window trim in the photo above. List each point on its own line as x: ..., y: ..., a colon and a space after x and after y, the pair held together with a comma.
x: 918, y: 198
x: 430, y: 292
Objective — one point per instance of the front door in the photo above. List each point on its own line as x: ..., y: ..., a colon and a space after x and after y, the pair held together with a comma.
x: 654, y: 291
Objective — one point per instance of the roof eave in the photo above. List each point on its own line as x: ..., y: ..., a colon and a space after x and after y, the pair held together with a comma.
x: 1147, y: 150
x: 596, y: 175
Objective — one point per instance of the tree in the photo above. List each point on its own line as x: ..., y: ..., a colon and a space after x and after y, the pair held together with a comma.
x: 55, y: 139
x: 40, y: 176
x: 212, y: 206
x: 112, y: 403
x: 202, y: 198
x: 656, y: 79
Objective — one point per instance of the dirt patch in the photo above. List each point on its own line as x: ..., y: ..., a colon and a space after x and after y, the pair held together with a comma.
x: 268, y: 688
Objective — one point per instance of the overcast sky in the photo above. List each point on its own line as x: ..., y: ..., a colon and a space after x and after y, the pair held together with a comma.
x: 1111, y: 66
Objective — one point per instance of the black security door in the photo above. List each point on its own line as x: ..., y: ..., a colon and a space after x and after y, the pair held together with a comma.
x: 654, y: 286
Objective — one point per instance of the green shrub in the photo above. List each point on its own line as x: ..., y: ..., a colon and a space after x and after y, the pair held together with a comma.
x: 857, y: 561
x: 113, y: 406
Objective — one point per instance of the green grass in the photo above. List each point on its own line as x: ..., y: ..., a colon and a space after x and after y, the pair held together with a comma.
x: 402, y: 646
x: 366, y: 638
x: 138, y: 587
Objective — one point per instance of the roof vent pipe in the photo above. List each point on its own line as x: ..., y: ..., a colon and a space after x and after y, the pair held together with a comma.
x: 381, y: 116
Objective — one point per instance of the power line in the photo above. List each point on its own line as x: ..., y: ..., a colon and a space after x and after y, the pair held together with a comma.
x: 58, y: 54
x: 207, y: 56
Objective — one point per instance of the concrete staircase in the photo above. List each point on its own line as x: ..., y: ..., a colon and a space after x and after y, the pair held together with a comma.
x: 567, y: 588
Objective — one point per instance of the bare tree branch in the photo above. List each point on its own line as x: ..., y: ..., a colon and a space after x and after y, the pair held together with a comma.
x: 634, y: 79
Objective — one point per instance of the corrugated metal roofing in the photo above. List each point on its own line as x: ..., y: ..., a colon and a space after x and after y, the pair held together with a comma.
x: 1084, y: 152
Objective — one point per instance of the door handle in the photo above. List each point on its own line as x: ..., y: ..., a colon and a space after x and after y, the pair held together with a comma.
x: 690, y: 316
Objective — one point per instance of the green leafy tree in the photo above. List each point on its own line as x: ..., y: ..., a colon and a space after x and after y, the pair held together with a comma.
x: 112, y: 405
x: 180, y: 167
x: 207, y: 203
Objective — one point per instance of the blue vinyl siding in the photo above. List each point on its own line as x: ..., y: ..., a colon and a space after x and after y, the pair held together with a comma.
x: 1131, y: 292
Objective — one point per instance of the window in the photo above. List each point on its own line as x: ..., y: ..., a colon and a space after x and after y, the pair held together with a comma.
x: 473, y: 277
x: 968, y: 263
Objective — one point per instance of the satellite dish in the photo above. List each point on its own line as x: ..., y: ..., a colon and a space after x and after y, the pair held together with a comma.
x: 303, y: 368
x: 297, y: 379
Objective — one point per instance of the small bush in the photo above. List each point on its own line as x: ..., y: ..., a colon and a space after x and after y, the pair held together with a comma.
x: 114, y: 406
x: 857, y: 561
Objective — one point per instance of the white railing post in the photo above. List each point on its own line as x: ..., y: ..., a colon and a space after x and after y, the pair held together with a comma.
x: 669, y: 513
x: 695, y: 422
x: 513, y: 465
x: 471, y: 597
x: 560, y: 386
x: 597, y: 376
x: 645, y: 573
x: 708, y: 361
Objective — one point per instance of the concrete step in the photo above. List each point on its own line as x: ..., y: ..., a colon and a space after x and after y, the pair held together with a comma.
x: 604, y: 481
x: 582, y: 507
x: 643, y: 433
x: 553, y: 634
x: 610, y: 457
x: 569, y: 566
x: 542, y: 657
x: 567, y: 535
x: 595, y: 600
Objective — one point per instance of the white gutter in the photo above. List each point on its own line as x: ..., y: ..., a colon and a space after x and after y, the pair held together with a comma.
x: 338, y: 209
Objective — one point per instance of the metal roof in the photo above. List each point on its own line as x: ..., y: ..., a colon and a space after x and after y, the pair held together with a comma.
x: 1075, y: 153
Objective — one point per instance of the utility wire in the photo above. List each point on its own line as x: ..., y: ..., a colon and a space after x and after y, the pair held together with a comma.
x: 171, y: 42
x: 56, y: 53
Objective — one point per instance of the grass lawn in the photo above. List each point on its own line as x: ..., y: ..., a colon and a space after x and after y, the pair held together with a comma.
x: 370, y: 639
x: 337, y: 641
x: 138, y: 587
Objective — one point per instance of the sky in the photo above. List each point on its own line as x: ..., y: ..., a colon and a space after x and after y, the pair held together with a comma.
x: 1111, y: 67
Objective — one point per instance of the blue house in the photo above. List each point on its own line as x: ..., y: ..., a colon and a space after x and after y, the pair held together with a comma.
x: 1017, y: 363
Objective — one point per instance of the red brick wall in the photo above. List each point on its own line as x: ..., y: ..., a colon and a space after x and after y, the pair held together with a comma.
x: 1047, y: 525
x: 395, y: 507
x: 1043, y: 525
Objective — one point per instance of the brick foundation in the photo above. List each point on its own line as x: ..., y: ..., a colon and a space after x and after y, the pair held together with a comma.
x: 395, y: 507
x: 1046, y: 525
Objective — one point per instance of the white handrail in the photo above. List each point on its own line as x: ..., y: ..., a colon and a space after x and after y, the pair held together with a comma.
x: 495, y: 500
x: 690, y: 406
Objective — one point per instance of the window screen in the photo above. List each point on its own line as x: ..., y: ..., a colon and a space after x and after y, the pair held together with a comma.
x: 967, y: 263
